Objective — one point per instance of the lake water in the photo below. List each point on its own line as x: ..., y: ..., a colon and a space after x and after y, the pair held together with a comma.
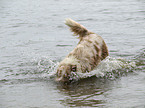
x: 34, y: 39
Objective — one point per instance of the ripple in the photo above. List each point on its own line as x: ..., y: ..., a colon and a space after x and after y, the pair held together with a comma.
x: 63, y: 45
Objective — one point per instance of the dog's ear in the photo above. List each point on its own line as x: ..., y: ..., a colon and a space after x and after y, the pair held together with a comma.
x: 73, y: 68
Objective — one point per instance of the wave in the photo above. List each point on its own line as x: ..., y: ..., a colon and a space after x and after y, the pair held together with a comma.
x: 108, y: 68
x: 45, y: 68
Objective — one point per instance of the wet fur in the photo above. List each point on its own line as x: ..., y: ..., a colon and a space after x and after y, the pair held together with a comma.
x: 90, y: 50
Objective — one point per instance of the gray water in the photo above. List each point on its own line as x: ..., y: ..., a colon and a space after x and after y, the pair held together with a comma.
x: 34, y: 39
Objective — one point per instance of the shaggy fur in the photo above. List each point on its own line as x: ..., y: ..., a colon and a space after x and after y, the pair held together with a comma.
x: 90, y: 50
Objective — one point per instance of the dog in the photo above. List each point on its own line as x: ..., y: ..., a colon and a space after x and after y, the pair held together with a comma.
x: 89, y: 52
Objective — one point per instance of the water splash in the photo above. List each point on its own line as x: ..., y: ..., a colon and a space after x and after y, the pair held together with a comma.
x: 44, y: 67
x: 47, y: 67
x: 109, y: 68
x: 140, y: 60
x: 36, y: 68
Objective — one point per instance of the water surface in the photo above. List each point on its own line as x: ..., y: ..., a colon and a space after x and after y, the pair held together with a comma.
x: 34, y: 39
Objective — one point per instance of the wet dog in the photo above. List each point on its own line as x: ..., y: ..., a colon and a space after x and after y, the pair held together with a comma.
x: 89, y: 52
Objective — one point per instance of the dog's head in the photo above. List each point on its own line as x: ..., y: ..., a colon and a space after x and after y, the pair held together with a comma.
x: 64, y: 72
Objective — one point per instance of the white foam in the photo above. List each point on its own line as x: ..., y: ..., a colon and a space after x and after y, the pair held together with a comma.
x: 108, y: 65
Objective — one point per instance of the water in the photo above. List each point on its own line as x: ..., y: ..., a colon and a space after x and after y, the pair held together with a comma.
x: 33, y: 39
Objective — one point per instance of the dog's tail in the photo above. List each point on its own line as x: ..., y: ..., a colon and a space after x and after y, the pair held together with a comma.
x: 76, y: 28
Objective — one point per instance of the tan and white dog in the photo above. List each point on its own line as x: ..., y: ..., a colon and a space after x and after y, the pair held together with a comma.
x: 90, y: 50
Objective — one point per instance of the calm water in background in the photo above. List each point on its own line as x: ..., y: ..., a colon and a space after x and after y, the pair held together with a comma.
x: 33, y: 39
